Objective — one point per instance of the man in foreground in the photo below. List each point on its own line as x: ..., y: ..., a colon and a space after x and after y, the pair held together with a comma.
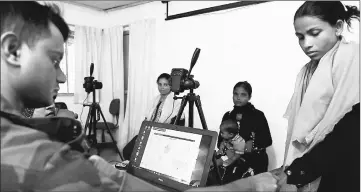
x: 32, y: 38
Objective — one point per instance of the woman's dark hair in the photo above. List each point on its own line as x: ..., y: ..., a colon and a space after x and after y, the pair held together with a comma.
x: 329, y: 11
x: 245, y: 85
x: 163, y: 75
x: 230, y: 126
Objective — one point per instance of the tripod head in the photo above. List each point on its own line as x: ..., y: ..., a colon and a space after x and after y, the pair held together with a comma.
x: 181, y: 79
x: 90, y: 85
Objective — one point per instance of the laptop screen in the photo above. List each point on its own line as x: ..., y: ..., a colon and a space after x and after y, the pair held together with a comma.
x: 179, y: 154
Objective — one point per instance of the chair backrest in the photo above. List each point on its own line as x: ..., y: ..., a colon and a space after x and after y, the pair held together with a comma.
x: 61, y: 105
x: 114, y: 107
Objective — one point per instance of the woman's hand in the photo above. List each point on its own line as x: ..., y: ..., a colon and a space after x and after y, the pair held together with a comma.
x: 230, y: 153
x: 219, y: 162
x: 227, y: 162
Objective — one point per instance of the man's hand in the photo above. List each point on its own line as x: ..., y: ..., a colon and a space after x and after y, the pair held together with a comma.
x: 264, y: 182
x: 282, y: 181
x: 287, y: 188
x: 66, y: 113
x: 277, y: 171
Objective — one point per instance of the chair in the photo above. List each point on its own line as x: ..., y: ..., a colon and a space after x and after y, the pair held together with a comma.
x: 114, y: 109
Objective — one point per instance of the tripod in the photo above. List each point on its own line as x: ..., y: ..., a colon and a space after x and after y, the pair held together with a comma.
x: 91, y: 122
x: 193, y: 98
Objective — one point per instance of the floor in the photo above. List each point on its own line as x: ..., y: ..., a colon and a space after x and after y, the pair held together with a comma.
x: 109, y: 154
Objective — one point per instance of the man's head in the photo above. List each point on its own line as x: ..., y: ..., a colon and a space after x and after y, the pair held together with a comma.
x: 32, y: 46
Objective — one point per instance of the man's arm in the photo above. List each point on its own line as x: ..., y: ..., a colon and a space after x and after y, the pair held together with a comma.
x: 128, y: 181
x: 261, y: 182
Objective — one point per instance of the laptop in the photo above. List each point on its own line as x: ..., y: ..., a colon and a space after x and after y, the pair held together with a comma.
x: 172, y: 157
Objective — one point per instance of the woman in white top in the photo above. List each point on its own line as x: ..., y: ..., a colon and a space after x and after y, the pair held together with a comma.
x: 163, y: 108
x: 328, y: 86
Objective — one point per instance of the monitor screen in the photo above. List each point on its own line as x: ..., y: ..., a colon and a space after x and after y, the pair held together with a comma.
x: 176, y: 155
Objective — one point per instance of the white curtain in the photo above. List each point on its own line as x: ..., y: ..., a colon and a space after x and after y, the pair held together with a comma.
x: 88, y: 50
x: 112, y: 72
x: 140, y: 77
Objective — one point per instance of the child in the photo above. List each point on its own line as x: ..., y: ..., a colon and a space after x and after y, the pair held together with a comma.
x: 232, y: 146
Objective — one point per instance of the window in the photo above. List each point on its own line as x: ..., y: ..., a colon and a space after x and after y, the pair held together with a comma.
x: 126, y: 64
x: 67, y: 65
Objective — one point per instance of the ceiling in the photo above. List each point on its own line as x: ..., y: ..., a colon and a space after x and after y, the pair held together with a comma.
x: 107, y: 5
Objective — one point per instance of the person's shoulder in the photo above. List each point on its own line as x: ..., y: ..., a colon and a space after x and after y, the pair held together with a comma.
x: 226, y: 115
x: 349, y: 47
x: 351, y: 44
x: 257, y: 112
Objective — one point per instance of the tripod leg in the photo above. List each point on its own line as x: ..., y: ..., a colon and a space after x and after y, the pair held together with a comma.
x: 201, y: 114
x: 89, y: 126
x: 111, y: 135
x: 87, y: 122
x: 181, y: 109
x: 204, y: 125
x: 191, y: 109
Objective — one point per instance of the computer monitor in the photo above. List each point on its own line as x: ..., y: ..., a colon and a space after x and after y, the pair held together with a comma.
x: 173, y: 156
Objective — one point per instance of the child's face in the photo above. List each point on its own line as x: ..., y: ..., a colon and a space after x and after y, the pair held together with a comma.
x: 226, y: 135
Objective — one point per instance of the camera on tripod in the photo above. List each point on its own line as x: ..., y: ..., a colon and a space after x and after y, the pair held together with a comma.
x: 94, y: 114
x: 181, y: 79
x: 89, y: 83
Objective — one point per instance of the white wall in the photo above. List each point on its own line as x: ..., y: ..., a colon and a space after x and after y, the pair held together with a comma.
x: 255, y: 43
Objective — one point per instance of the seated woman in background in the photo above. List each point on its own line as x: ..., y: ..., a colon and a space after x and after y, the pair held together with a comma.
x: 252, y: 127
x: 162, y: 109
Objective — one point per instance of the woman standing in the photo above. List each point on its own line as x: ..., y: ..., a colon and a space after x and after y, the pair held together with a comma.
x: 328, y: 86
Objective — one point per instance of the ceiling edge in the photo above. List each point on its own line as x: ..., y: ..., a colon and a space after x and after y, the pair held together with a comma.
x: 83, y: 5
x: 127, y: 6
